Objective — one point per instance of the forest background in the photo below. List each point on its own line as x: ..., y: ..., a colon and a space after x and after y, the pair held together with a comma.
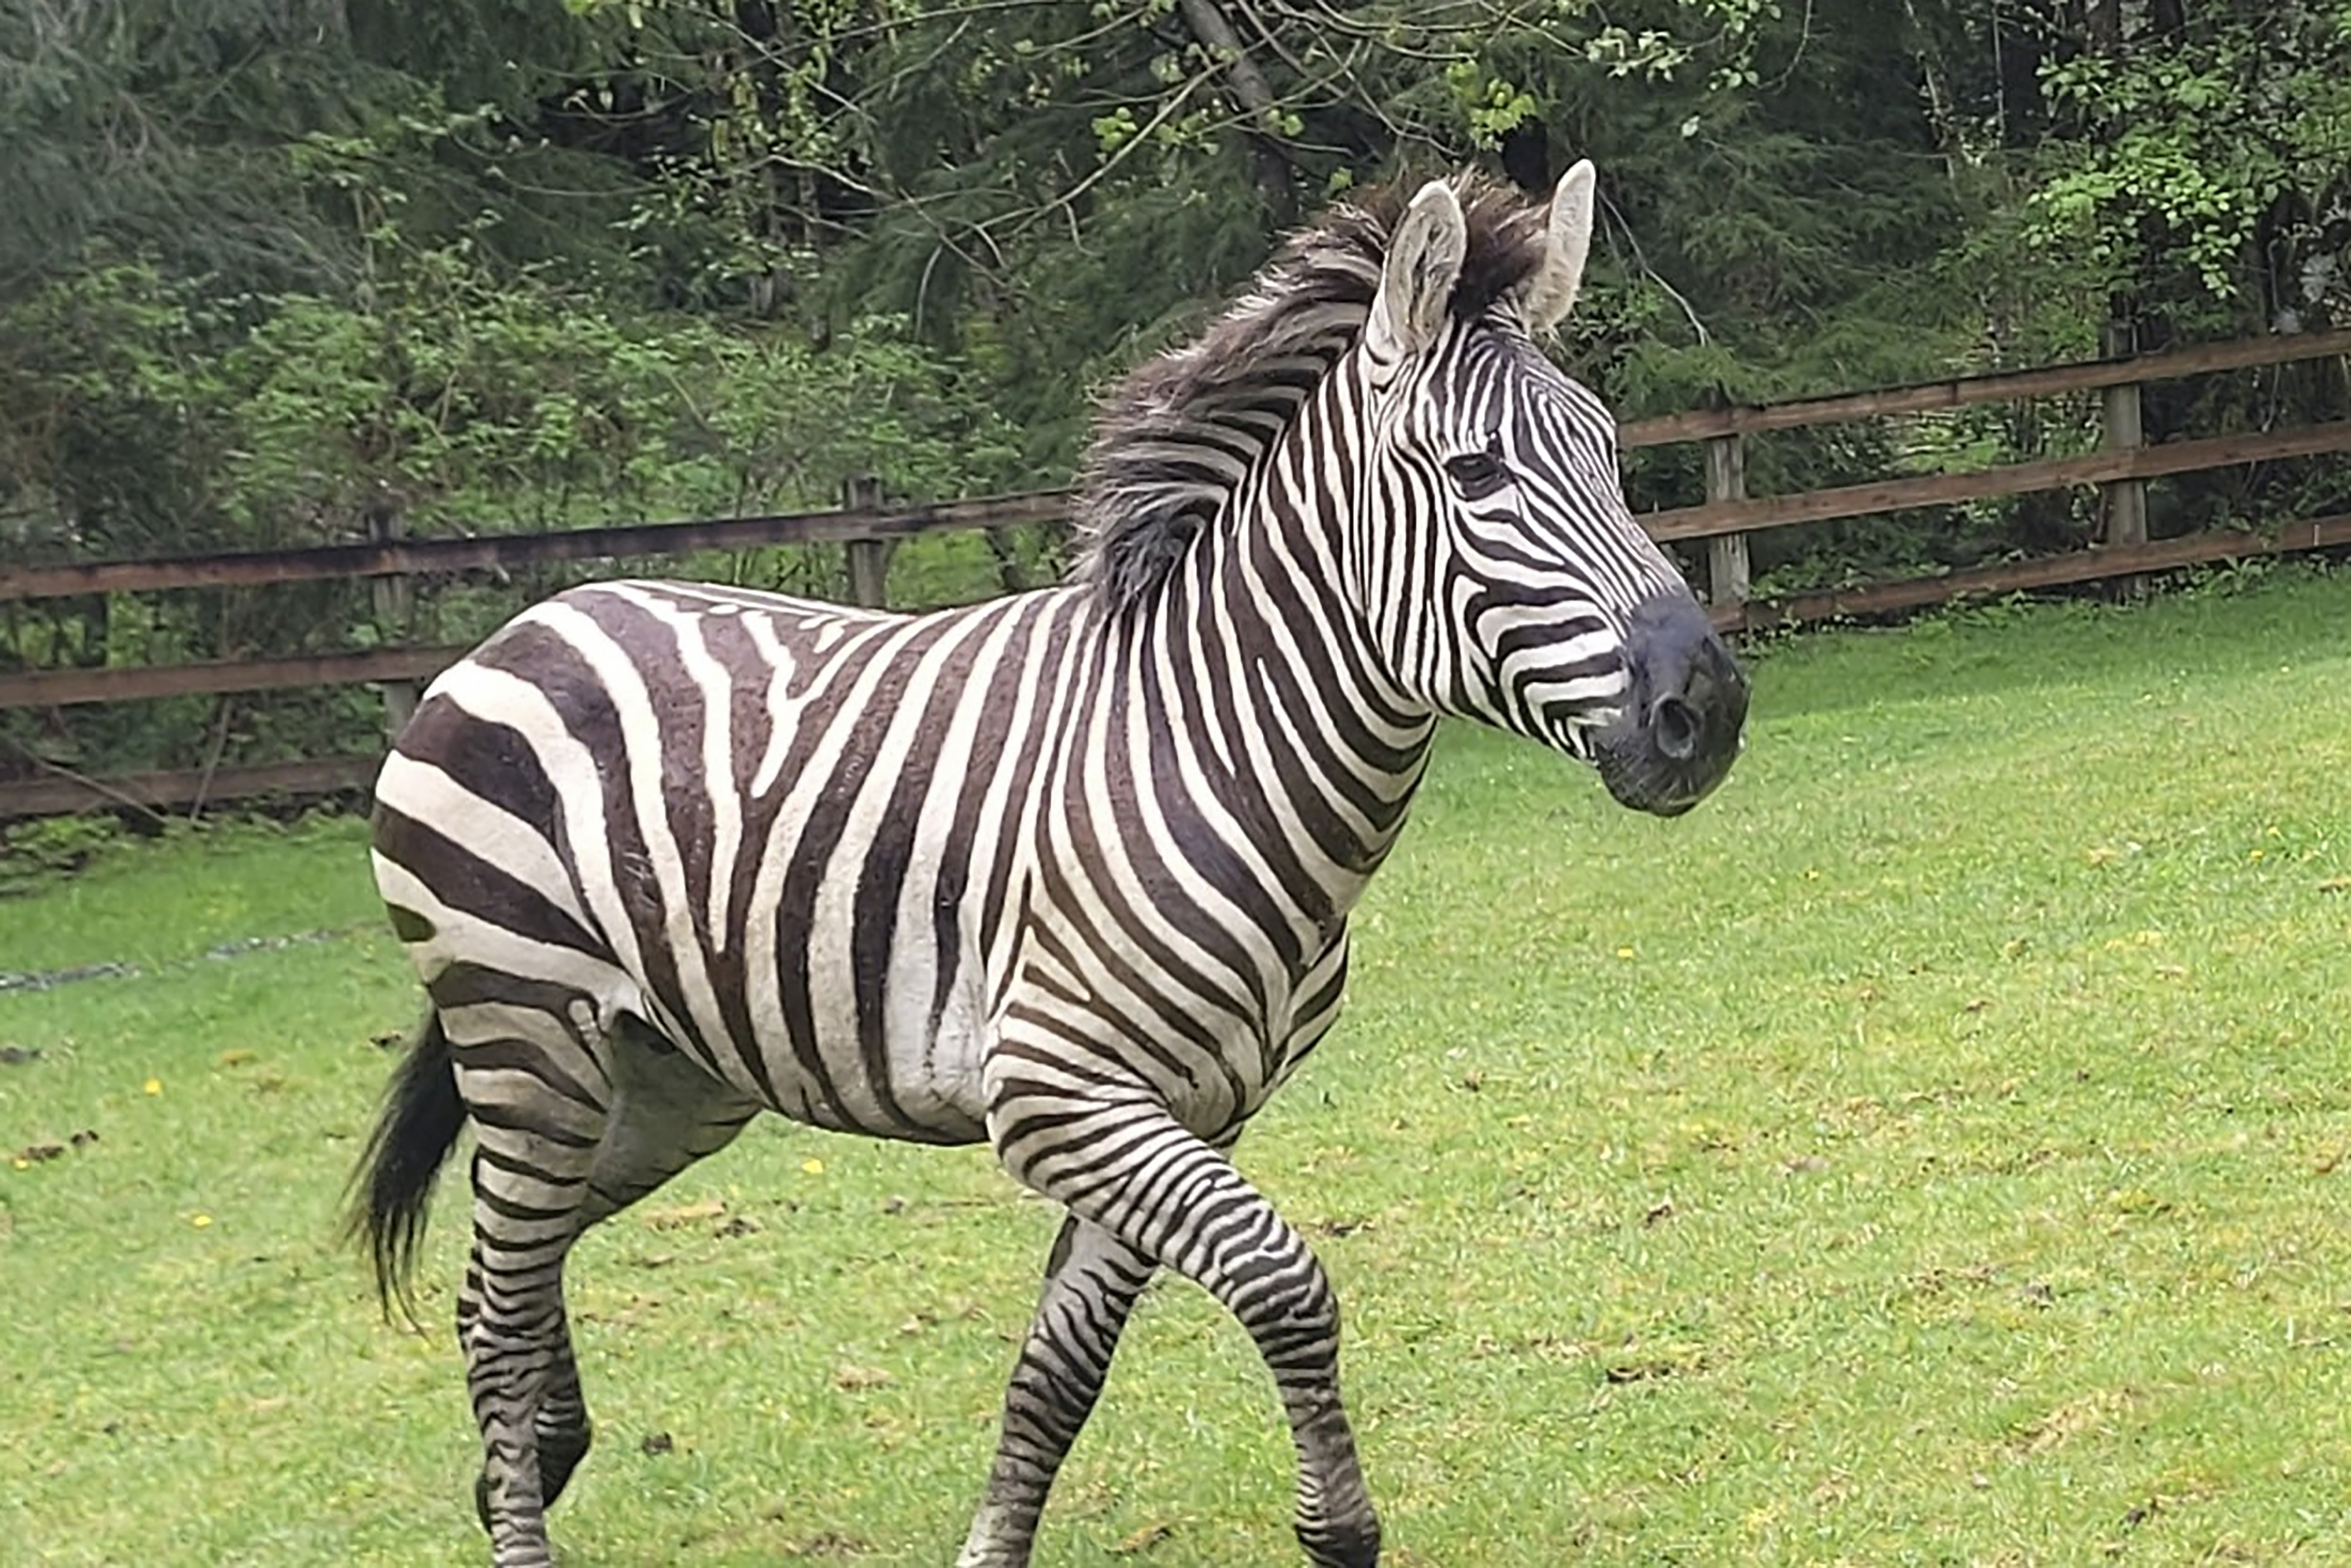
x: 288, y: 272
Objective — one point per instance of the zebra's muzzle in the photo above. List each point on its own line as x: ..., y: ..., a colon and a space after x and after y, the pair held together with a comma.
x: 1679, y: 731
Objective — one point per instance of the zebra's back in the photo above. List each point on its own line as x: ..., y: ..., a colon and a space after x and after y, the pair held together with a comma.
x: 784, y: 835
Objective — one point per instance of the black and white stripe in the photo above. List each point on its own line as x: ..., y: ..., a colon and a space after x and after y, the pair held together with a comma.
x: 1069, y: 872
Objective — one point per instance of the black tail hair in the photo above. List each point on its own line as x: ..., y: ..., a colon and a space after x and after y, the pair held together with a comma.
x: 392, y: 1186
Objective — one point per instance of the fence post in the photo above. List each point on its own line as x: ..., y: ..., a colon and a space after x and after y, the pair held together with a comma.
x: 1011, y: 575
x: 2122, y: 503
x: 394, y: 602
x: 869, y: 560
x: 1728, y: 575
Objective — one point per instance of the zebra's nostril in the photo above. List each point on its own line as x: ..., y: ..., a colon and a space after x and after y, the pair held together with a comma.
x: 1676, y: 727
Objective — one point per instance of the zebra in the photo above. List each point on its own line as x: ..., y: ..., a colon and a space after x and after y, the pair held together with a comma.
x: 1068, y: 872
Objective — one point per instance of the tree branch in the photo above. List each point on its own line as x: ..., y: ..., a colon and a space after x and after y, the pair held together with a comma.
x: 1216, y: 34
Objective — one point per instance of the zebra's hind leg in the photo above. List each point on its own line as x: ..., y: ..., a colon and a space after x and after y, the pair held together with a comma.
x: 1131, y: 1170
x: 529, y: 1070
x: 560, y: 1428
x: 661, y: 1114
x: 1092, y: 1280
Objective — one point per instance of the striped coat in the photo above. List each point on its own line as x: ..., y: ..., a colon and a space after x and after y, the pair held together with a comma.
x: 1069, y: 872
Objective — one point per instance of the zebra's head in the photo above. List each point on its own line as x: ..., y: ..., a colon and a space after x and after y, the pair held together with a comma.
x: 1493, y: 553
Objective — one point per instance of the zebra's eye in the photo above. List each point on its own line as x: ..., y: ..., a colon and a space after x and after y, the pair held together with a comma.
x: 1477, y: 475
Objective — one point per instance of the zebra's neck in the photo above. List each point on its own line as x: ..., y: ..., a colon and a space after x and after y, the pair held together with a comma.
x: 1267, y: 678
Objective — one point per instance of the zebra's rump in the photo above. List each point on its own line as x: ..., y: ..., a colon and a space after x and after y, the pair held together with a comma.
x: 785, y: 836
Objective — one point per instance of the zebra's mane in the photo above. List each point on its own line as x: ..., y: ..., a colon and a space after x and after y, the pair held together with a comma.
x: 1178, y: 437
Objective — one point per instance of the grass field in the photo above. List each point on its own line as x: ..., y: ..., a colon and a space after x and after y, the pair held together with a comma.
x: 1928, y: 1152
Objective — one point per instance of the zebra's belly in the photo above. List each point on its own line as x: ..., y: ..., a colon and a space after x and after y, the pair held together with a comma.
x: 898, y: 1050
x: 827, y: 1025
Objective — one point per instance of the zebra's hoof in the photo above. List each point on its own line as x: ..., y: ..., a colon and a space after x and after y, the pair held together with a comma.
x: 1342, y: 1545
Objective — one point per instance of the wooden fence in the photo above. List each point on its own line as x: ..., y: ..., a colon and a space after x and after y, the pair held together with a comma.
x: 1725, y: 521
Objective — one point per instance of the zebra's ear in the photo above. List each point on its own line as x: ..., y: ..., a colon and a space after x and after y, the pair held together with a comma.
x: 1424, y: 262
x: 1553, y: 290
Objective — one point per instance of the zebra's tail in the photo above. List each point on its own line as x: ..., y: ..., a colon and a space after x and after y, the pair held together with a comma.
x: 392, y: 1186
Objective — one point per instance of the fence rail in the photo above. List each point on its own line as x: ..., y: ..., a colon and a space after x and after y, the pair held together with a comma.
x: 1724, y: 522
x: 2136, y: 463
x: 864, y: 523
x: 2044, y: 571
x: 2001, y: 386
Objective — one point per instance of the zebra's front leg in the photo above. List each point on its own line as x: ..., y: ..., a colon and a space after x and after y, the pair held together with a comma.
x: 1165, y: 1193
x: 1092, y: 1280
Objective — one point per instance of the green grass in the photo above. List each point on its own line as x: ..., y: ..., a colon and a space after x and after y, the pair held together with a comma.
x: 1926, y: 1153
